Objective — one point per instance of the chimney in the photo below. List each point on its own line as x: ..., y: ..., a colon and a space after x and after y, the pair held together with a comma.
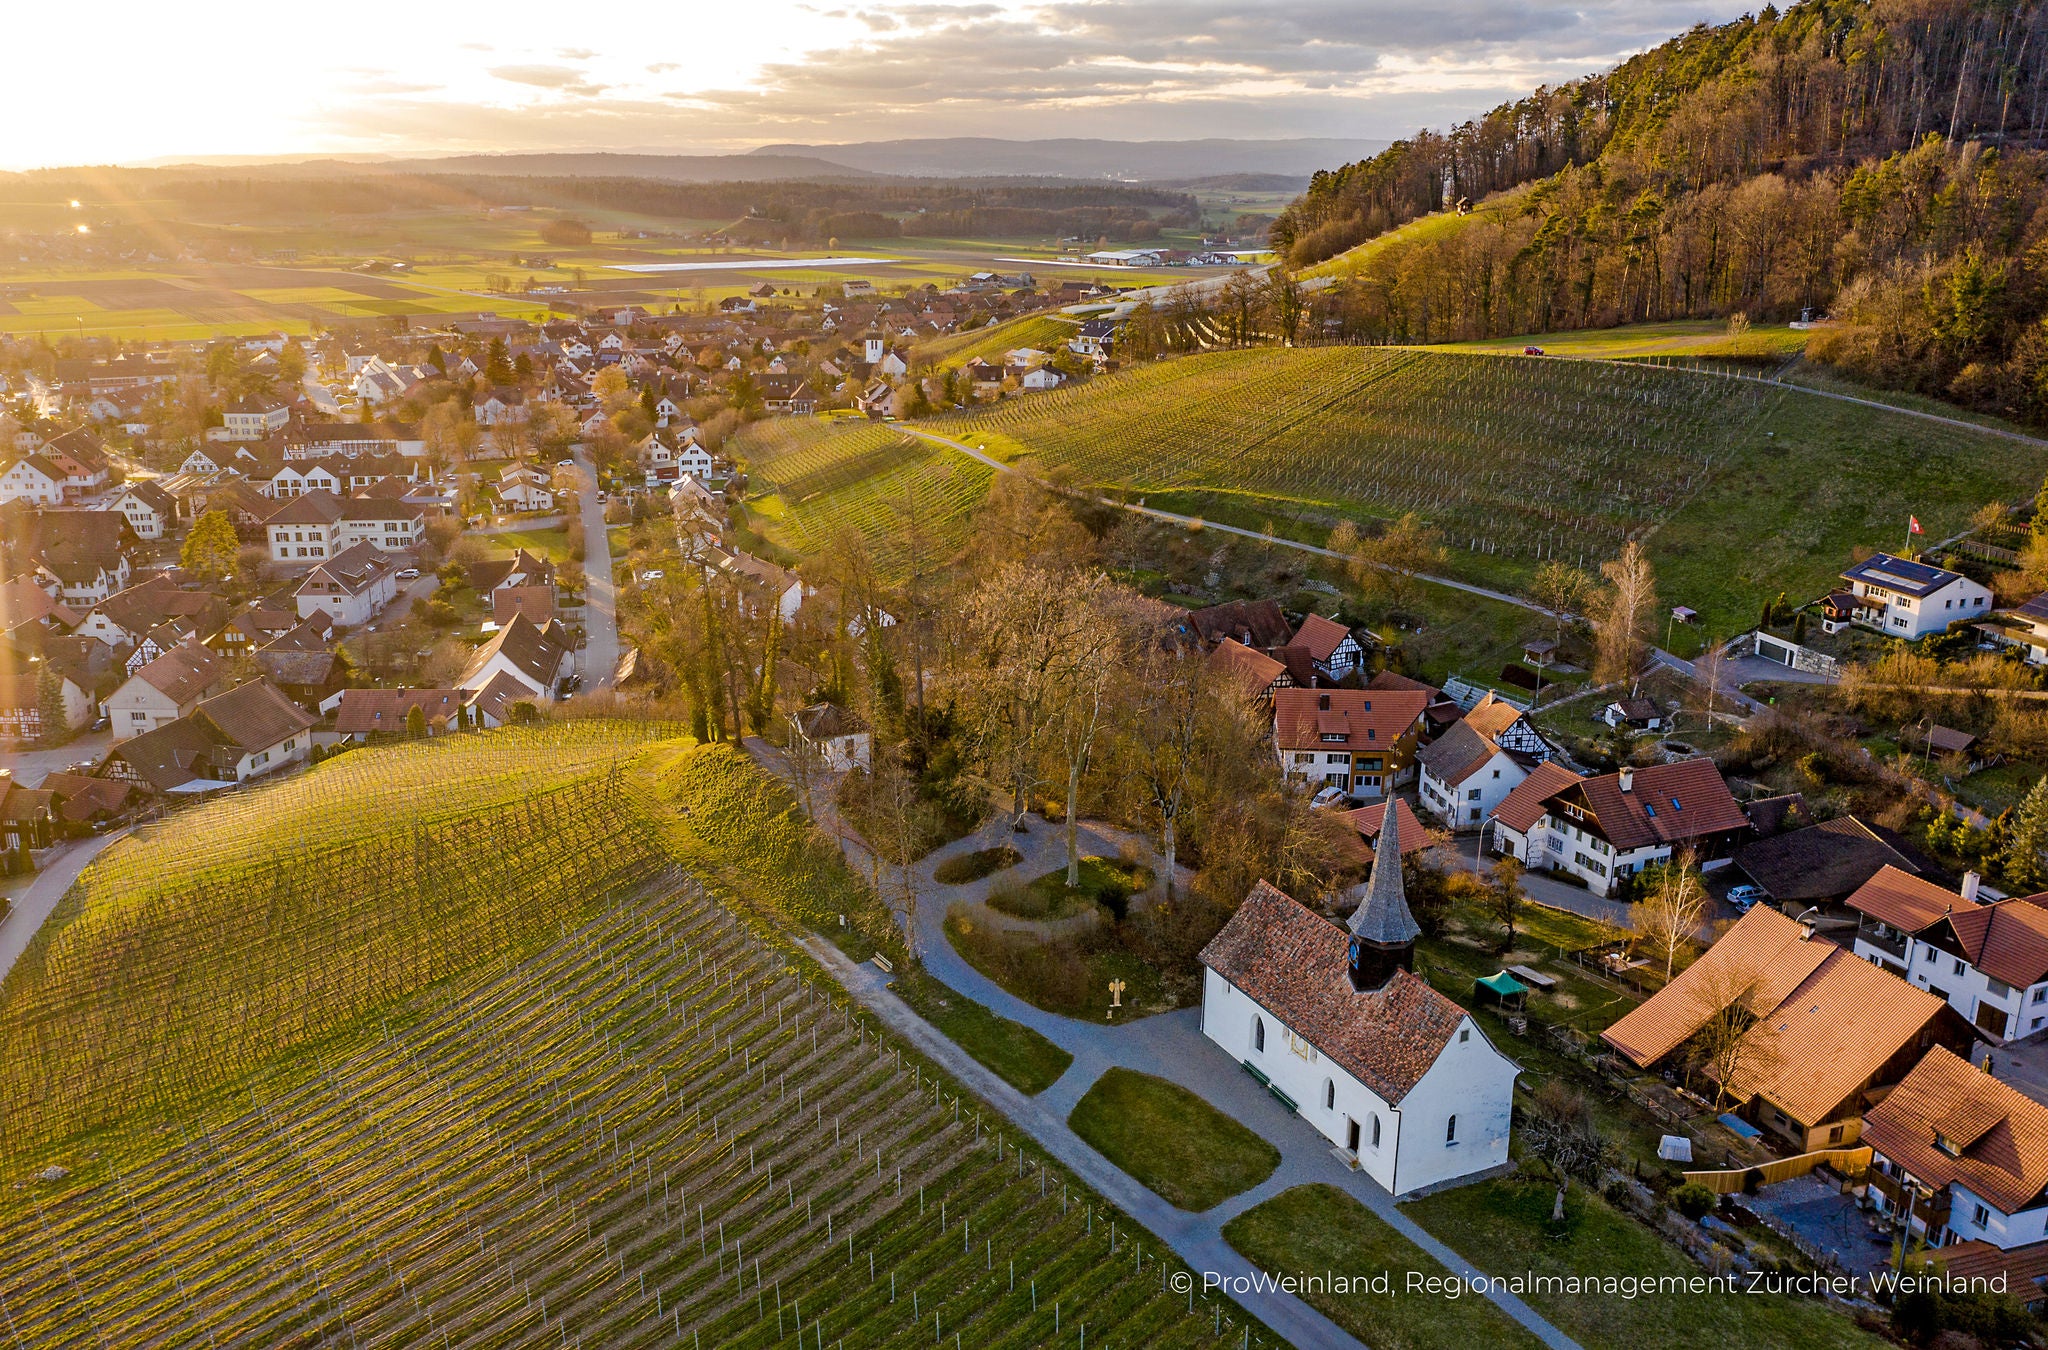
x: 1628, y: 779
x: 1971, y: 881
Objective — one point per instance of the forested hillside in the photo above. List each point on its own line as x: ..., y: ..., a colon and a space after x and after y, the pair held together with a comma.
x: 1879, y: 160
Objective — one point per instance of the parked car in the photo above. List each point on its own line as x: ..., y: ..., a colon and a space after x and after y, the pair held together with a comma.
x: 1742, y: 897
x: 1532, y: 351
x: 408, y: 574
x: 1330, y: 796
x: 655, y: 575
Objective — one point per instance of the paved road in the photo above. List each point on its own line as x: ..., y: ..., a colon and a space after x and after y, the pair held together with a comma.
x: 600, y: 660
x: 524, y: 524
x: 1169, y: 1045
x: 31, y: 766
x: 33, y: 906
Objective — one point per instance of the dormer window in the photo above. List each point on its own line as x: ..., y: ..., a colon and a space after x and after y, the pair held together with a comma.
x: 1944, y: 1144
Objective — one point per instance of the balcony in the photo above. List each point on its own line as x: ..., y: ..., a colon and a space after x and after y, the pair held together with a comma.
x: 1931, y: 1212
x: 1884, y: 939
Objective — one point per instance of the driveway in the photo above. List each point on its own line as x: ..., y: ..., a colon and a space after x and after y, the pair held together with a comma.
x: 31, y: 766
x: 1819, y: 1215
x: 1167, y: 1045
x: 416, y: 590
x: 1549, y: 891
x: 600, y: 660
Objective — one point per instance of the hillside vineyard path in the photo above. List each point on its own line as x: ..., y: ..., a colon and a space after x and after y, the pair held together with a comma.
x: 1165, y: 1045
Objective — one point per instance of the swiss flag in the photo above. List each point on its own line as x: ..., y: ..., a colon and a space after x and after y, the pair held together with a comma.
x: 1913, y: 525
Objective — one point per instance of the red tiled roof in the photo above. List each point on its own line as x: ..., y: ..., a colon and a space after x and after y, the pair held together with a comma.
x: 1251, y: 673
x: 1492, y: 716
x: 1904, y: 901
x: 1827, y: 1022
x: 1414, y: 837
x: 1665, y: 804
x: 366, y: 710
x: 1527, y: 800
x: 2000, y: 1136
x: 1295, y: 964
x: 1320, y: 636
x: 2007, y: 940
x: 1367, y: 717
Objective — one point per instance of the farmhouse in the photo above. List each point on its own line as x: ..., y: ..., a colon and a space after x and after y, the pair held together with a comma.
x: 1825, y: 1033
x: 1398, y: 1077
x: 161, y: 692
x: 1964, y: 1158
x: 22, y: 694
x: 249, y: 731
x: 364, y: 714
x: 1986, y: 959
x: 536, y: 657
x: 833, y: 736
x: 1910, y: 600
x: 349, y: 588
x: 1469, y: 770
x: 1329, y: 646
x: 1606, y: 828
x: 1360, y: 740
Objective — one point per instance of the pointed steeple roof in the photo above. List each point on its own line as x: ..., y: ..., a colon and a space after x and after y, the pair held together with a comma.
x: 1383, y: 916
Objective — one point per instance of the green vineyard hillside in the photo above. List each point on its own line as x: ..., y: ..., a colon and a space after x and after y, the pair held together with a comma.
x: 817, y: 478
x: 1741, y: 488
x: 640, y: 1117
x: 219, y: 943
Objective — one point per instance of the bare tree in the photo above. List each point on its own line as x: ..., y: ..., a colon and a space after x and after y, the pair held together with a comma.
x: 1723, y: 1047
x: 1166, y: 738
x: 1559, y: 1127
x: 1098, y: 653
x: 1667, y: 920
x: 1625, y: 617
x: 1562, y: 589
x: 1503, y: 897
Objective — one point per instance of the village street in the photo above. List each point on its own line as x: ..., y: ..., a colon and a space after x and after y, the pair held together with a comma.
x: 35, y: 903
x: 1168, y: 1045
x: 599, y: 660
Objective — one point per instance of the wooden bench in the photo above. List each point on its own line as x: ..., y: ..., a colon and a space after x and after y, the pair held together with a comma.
x: 1293, y: 1107
x: 1253, y: 1070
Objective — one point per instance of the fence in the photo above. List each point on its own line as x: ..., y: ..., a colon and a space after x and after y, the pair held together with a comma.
x: 1848, y: 1161
x: 1976, y: 548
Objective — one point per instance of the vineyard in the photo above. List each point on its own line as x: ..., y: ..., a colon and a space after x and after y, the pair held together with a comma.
x: 214, y: 945
x: 817, y: 479
x: 1741, y: 489
x: 1045, y: 332
x: 655, y: 1128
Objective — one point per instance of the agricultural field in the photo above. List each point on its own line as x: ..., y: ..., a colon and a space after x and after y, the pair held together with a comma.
x: 1046, y: 332
x: 1740, y: 489
x: 232, y: 938
x: 525, y: 1153
x: 1699, y: 339
x: 817, y: 478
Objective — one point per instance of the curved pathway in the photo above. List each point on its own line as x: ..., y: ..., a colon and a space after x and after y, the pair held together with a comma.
x: 1166, y: 1045
x: 32, y: 907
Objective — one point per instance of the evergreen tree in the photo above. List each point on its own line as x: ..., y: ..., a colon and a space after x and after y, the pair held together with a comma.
x: 56, y: 727
x: 498, y: 364
x: 415, y: 723
x: 210, y: 549
x: 2026, y: 843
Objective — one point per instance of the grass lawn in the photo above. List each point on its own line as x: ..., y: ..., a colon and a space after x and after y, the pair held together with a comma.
x: 1067, y: 974
x: 1312, y: 1229
x: 550, y: 544
x: 1683, y: 337
x: 1193, y: 1155
x: 1104, y: 881
x: 1504, y: 1227
x: 976, y: 865
x: 1994, y: 790
x: 1019, y: 1056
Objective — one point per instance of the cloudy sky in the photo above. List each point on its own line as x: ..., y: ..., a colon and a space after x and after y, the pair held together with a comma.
x: 141, y: 80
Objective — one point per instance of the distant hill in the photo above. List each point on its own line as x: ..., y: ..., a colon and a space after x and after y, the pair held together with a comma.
x: 665, y: 168
x: 1067, y: 157
x: 1878, y: 163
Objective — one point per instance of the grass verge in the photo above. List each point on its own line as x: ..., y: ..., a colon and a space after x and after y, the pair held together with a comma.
x: 1312, y: 1229
x: 1508, y: 1221
x: 1104, y: 881
x: 1187, y: 1151
x: 1066, y: 973
x: 1016, y: 1054
x: 976, y: 865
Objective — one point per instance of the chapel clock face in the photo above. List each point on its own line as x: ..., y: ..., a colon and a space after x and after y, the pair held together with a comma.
x: 1354, y: 950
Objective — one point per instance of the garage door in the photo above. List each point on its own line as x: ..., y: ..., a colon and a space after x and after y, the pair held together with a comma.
x: 1773, y: 651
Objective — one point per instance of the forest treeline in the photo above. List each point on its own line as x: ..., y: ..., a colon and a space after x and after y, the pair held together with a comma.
x: 806, y: 212
x: 1875, y: 160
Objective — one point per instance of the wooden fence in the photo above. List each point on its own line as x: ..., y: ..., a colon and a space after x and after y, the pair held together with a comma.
x: 1848, y: 1161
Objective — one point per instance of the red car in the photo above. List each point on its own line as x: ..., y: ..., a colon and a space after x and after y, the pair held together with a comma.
x: 1532, y: 351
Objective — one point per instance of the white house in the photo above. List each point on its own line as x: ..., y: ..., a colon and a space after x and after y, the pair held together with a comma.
x: 297, y: 478
x: 1988, y: 959
x: 761, y: 581
x: 1468, y: 771
x: 161, y: 692
x: 1605, y: 828
x: 252, y: 419
x: 1910, y: 600
x: 387, y: 525
x: 149, y: 508
x: 350, y: 588
x: 525, y: 488
x: 836, y: 737
x: 536, y: 658
x: 306, y: 529
x: 1969, y: 1154
x: 1359, y: 740
x: 247, y: 732
x: 1397, y: 1076
x: 1330, y: 646
x: 500, y: 406
x: 33, y: 479
x: 2027, y: 627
